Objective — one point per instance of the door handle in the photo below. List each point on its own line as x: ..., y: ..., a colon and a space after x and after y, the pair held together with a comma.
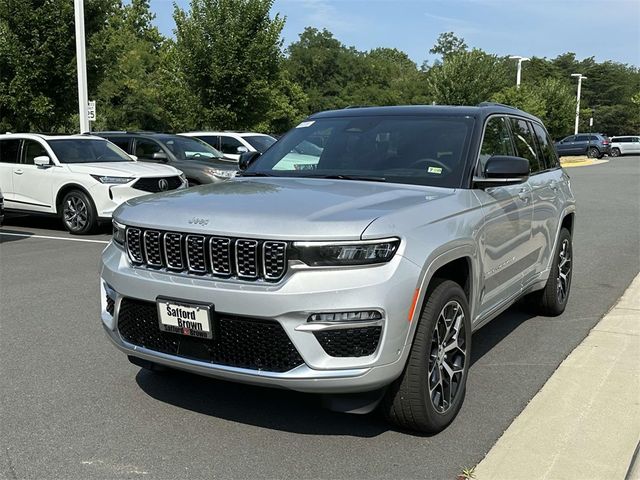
x: 523, y: 194
x: 554, y: 185
x: 18, y: 172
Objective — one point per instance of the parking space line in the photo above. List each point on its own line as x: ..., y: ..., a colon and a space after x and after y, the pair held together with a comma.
x: 31, y: 235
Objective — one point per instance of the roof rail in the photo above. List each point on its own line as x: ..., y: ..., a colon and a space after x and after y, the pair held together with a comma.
x: 496, y: 104
x: 358, y: 106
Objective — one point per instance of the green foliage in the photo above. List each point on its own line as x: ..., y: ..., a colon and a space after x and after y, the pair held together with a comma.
x: 448, y: 44
x: 229, y: 53
x: 466, y: 78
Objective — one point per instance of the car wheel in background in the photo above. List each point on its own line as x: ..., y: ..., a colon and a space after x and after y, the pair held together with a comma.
x: 615, y: 152
x: 78, y: 213
x: 429, y: 393
x: 593, y: 152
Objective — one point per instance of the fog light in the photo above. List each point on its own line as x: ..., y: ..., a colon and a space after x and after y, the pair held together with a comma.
x: 367, y: 315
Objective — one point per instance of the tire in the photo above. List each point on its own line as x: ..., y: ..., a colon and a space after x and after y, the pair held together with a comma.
x: 593, y: 152
x: 79, y: 215
x: 615, y: 152
x: 552, y: 299
x: 414, y: 401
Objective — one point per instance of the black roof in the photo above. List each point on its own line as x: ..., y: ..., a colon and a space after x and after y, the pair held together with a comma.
x: 481, y: 110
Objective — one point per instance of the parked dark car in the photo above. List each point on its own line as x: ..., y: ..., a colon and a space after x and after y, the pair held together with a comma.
x: 199, y: 161
x: 593, y: 145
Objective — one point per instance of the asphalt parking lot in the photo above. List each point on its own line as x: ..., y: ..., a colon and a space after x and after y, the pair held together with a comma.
x: 71, y: 405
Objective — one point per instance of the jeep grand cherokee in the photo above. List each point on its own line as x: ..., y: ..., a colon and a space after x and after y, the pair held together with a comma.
x: 359, y: 275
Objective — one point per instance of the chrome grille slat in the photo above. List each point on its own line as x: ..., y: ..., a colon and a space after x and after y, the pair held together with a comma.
x: 203, y: 255
x: 196, y: 256
x: 152, y: 251
x: 247, y: 258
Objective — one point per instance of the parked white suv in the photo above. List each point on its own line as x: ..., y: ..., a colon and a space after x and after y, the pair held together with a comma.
x: 233, y: 144
x: 625, y: 145
x: 80, y: 178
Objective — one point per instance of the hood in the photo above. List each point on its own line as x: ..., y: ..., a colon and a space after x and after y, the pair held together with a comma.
x: 276, y: 208
x: 123, y: 169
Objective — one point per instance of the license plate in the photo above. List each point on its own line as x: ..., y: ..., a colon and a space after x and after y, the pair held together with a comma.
x: 184, y: 318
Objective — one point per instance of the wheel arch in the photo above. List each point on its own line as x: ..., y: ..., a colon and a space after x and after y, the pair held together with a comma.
x: 66, y: 189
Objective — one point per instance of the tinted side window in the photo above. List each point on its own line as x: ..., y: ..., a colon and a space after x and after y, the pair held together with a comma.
x: 146, y: 148
x: 496, y: 141
x: 525, y: 144
x: 32, y: 149
x: 123, y: 142
x: 9, y: 150
x: 211, y: 140
x: 582, y: 138
x: 594, y: 138
x: 229, y: 145
x: 548, y: 153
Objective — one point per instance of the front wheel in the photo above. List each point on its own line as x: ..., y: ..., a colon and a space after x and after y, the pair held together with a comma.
x: 615, y: 152
x: 79, y: 215
x: 429, y: 393
x: 593, y: 152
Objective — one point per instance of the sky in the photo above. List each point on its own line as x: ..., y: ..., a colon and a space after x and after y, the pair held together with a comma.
x: 604, y: 29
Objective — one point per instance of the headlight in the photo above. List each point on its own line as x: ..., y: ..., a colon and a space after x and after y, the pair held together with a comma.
x: 324, y: 254
x: 220, y: 173
x: 119, y: 232
x: 109, y: 179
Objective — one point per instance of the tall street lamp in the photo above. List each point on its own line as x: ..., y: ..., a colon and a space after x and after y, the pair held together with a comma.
x: 81, y: 60
x: 580, y: 78
x: 519, y: 74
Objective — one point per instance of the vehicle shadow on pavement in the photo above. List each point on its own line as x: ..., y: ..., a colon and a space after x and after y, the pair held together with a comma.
x: 291, y: 411
x: 45, y: 222
x: 9, y: 237
x: 276, y: 409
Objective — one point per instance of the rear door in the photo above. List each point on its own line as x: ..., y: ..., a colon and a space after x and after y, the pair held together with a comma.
x: 506, y: 234
x: 32, y: 185
x: 634, y: 145
x: 9, y: 157
x: 580, y: 145
x: 547, y: 201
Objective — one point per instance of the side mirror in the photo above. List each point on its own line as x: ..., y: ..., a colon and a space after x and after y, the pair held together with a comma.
x: 242, y: 149
x: 247, y: 159
x: 134, y: 158
x: 160, y: 156
x: 42, y: 161
x: 501, y: 170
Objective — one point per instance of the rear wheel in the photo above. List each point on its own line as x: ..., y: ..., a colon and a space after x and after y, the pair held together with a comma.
x: 593, y: 152
x: 78, y: 213
x: 552, y: 300
x: 615, y: 152
x: 429, y: 393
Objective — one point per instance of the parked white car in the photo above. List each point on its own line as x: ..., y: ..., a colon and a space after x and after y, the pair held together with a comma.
x: 234, y: 144
x: 625, y: 145
x: 80, y: 178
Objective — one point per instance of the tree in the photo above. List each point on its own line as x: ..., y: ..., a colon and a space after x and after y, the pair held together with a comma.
x: 466, y: 78
x: 37, y: 62
x: 229, y: 53
x: 448, y: 44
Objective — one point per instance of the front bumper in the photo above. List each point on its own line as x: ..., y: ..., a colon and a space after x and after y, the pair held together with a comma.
x: 387, y: 288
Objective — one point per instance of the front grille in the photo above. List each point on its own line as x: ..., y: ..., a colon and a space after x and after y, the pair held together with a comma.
x: 155, y: 185
x: 256, y: 344
x: 350, y: 342
x: 208, y: 255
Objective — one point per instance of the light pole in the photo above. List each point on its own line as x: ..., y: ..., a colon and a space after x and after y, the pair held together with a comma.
x: 580, y: 78
x: 519, y: 74
x: 81, y: 60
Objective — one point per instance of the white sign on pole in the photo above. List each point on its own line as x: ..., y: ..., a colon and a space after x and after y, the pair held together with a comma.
x: 91, y: 111
x: 591, y: 121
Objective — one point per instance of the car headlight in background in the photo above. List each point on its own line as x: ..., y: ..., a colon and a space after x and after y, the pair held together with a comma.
x: 326, y: 254
x: 216, y: 172
x: 119, y: 233
x: 113, y: 180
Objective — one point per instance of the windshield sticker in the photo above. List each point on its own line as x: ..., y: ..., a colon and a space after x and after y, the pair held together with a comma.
x: 306, y: 124
x: 437, y: 170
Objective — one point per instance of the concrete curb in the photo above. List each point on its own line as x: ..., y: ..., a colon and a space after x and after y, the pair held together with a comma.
x: 585, y: 421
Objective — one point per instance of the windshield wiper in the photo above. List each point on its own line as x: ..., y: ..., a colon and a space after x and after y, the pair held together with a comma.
x: 254, y: 174
x: 350, y: 177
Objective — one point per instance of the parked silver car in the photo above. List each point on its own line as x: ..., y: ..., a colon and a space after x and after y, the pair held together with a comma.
x: 625, y: 145
x: 360, y: 276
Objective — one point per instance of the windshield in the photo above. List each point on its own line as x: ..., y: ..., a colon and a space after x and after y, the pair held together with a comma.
x: 87, y: 150
x: 188, y: 148
x: 260, y: 142
x: 419, y: 150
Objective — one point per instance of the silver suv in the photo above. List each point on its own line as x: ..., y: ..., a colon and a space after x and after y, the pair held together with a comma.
x: 359, y: 274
